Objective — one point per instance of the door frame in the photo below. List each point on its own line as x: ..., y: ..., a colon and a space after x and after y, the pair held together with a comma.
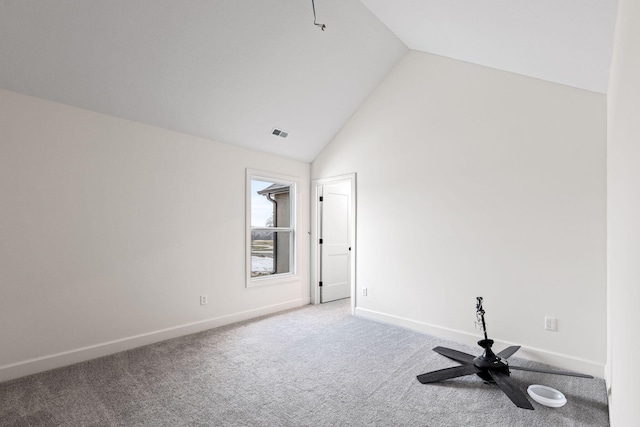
x: 315, y: 233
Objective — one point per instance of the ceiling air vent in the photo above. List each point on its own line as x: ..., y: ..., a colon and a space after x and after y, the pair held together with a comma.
x: 279, y: 132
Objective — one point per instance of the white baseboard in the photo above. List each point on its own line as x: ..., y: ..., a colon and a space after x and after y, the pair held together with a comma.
x: 52, y: 361
x: 561, y: 361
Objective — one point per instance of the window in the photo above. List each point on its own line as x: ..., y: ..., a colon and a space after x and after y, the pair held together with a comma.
x: 271, y: 218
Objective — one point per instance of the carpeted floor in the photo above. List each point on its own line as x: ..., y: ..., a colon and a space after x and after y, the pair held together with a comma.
x: 314, y: 366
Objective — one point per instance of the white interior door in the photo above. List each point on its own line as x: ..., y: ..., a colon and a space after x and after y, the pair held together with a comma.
x: 335, y: 235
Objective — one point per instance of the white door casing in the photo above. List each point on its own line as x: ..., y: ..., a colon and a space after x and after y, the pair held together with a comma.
x: 317, y: 186
x: 335, y: 238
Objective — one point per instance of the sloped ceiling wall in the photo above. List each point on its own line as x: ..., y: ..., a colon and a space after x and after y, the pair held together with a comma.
x: 231, y: 71
x: 567, y: 42
x: 226, y: 70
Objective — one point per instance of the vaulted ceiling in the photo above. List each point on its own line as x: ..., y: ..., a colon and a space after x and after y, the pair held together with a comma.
x: 563, y: 41
x: 232, y: 70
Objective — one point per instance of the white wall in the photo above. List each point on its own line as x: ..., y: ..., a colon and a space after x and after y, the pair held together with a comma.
x: 110, y: 230
x: 477, y: 182
x: 623, y: 211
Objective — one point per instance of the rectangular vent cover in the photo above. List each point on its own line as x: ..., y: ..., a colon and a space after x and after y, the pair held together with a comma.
x: 279, y: 132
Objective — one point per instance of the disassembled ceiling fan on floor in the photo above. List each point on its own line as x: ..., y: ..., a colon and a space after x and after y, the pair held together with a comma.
x: 489, y: 366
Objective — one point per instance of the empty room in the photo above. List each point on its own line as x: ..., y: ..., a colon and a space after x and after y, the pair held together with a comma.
x: 319, y: 212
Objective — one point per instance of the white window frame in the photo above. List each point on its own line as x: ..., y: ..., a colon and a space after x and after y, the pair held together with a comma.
x: 253, y: 174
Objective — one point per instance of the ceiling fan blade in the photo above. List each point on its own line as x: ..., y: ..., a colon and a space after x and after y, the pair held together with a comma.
x: 509, y: 388
x: 547, y: 371
x: 508, y: 352
x: 456, y: 355
x: 447, y: 373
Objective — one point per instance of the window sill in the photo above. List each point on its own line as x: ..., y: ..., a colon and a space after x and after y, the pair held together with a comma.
x: 272, y: 280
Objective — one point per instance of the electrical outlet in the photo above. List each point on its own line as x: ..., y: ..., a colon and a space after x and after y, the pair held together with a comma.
x: 550, y: 323
x: 364, y: 292
x: 203, y: 300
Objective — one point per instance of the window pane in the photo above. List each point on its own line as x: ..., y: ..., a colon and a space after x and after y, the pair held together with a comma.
x: 270, y: 205
x: 271, y: 248
x: 270, y: 252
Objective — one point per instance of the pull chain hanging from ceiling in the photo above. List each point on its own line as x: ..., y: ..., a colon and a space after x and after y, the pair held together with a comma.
x: 321, y: 26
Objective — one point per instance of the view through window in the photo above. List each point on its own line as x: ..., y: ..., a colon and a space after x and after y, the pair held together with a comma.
x: 272, y: 231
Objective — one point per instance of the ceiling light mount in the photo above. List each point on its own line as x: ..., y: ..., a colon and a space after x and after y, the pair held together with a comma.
x: 321, y: 26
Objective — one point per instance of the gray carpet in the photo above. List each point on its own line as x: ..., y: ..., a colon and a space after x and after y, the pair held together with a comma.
x: 314, y: 366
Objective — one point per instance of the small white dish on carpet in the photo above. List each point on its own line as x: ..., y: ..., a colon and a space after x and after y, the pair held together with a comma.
x: 546, y: 396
